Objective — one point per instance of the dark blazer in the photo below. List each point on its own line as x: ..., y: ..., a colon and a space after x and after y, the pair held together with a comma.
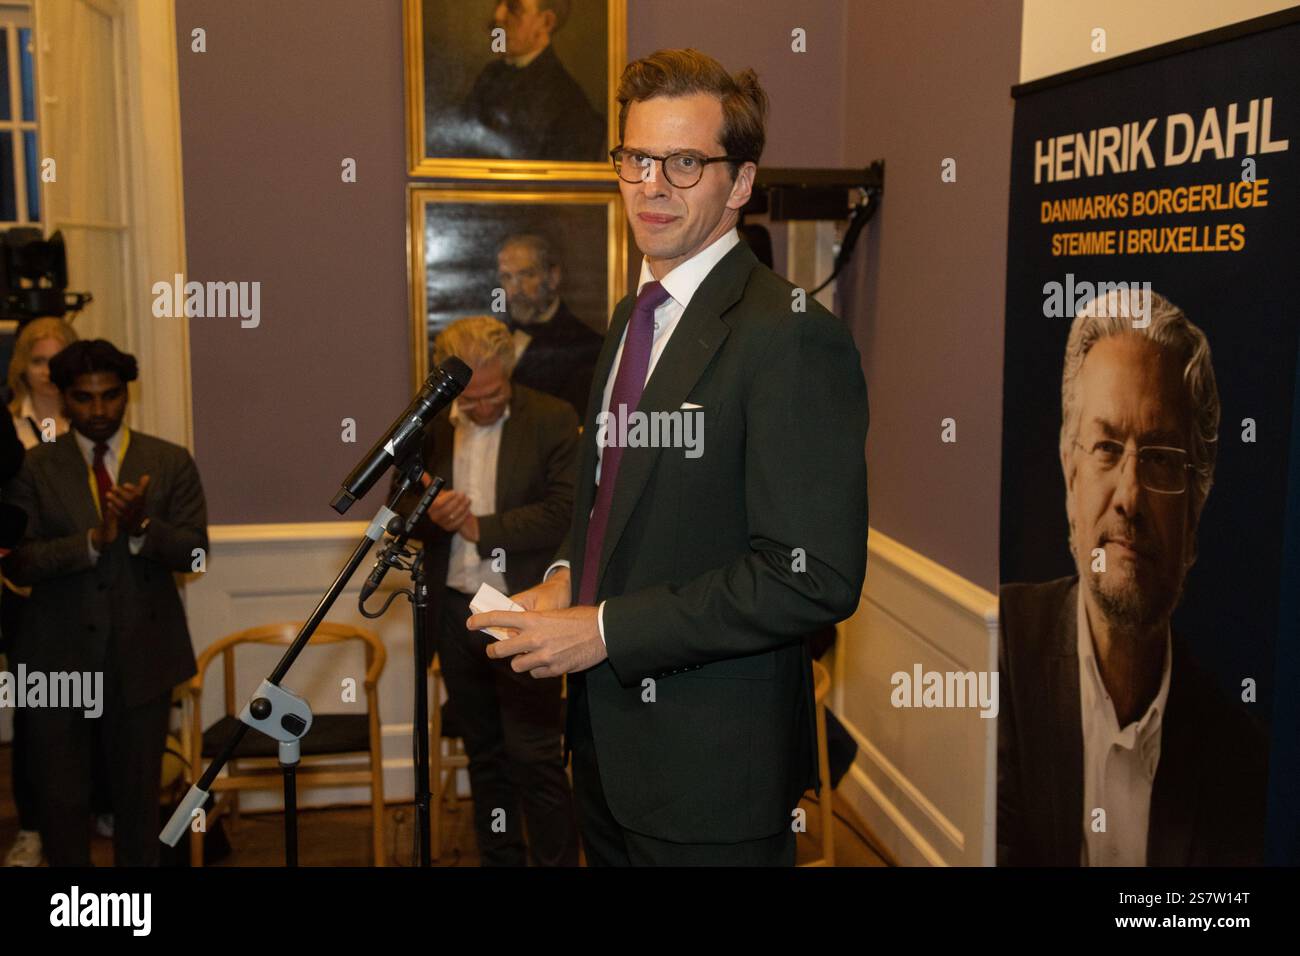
x: 11, y: 447
x: 129, y: 603
x: 534, y: 491
x: 538, y: 112
x: 1208, y: 798
x: 560, y: 358
x: 714, y: 568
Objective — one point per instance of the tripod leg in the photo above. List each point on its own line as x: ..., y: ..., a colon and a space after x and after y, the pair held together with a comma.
x: 290, y: 815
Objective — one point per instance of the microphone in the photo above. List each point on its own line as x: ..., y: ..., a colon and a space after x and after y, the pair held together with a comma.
x: 447, y: 381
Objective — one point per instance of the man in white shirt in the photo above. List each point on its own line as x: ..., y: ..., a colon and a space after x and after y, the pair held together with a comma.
x: 1113, y: 749
x: 692, y: 571
x: 507, y: 454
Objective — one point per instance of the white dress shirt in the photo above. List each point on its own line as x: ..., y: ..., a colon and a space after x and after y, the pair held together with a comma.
x: 1119, y: 766
x: 28, y: 426
x: 680, y: 284
x: 474, y: 467
x: 112, y: 460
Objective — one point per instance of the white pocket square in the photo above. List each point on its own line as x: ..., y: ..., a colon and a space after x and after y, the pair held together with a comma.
x: 690, y: 405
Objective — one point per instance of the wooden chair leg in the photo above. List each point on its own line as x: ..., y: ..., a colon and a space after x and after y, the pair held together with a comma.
x: 828, y: 796
x: 377, y: 815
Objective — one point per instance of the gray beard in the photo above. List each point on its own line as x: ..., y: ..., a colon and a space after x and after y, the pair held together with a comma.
x: 523, y: 314
x: 1135, y: 608
x: 528, y: 312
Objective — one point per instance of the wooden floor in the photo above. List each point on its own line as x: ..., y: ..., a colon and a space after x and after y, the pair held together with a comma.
x: 341, y: 837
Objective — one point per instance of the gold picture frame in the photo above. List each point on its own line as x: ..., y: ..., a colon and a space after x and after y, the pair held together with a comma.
x: 423, y: 165
x: 458, y: 277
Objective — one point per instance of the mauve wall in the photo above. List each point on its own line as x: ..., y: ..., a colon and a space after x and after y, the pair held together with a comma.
x: 925, y: 82
x: 912, y: 83
x: 286, y: 91
x: 806, y: 89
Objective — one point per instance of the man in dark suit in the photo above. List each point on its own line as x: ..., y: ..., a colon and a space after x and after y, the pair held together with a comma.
x: 693, y: 570
x: 1207, y: 801
x: 507, y: 454
x: 556, y: 352
x: 527, y: 100
x: 1113, y: 748
x: 112, y: 514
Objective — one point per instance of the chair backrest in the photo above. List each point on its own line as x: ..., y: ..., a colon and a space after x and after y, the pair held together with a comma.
x: 284, y: 633
x: 821, y: 681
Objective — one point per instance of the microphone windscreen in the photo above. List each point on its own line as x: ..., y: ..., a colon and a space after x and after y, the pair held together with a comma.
x: 458, y: 371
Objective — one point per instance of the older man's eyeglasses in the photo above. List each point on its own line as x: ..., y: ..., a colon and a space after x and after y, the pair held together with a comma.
x: 497, y: 397
x: 682, y: 170
x: 1160, y: 468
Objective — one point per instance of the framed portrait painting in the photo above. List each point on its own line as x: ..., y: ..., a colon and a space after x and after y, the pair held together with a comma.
x: 549, y: 263
x: 514, y: 89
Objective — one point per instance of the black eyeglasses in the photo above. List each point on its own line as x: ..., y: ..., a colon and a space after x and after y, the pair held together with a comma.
x: 682, y: 170
x: 1160, y: 468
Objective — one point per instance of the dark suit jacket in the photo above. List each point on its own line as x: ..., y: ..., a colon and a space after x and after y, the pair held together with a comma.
x: 560, y: 358
x: 1208, y: 798
x: 539, y: 112
x: 128, y: 603
x: 11, y: 448
x: 700, y: 569
x: 534, y: 491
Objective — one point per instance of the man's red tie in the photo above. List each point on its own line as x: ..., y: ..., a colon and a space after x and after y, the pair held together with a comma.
x: 102, y: 480
x: 628, y: 385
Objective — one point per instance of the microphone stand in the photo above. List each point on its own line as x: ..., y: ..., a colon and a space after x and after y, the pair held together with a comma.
x: 396, y: 555
x: 284, y: 716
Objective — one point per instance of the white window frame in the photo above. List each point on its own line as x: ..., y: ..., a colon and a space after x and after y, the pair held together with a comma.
x: 152, y: 211
x: 16, y: 15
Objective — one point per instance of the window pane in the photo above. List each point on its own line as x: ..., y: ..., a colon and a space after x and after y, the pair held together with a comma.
x: 29, y: 76
x: 4, y: 74
x: 8, y: 201
x: 32, y: 163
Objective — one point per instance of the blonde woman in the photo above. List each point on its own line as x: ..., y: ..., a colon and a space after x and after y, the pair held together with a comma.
x: 36, y: 400
x: 35, y: 405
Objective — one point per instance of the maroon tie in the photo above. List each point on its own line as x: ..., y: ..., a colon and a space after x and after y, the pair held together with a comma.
x: 628, y: 385
x: 102, y: 480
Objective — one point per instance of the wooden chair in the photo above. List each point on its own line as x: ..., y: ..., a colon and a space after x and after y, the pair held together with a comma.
x: 821, y: 690
x: 331, y: 735
x: 442, y: 770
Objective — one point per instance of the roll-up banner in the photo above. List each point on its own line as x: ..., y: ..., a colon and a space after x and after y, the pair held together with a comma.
x: 1149, y: 656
